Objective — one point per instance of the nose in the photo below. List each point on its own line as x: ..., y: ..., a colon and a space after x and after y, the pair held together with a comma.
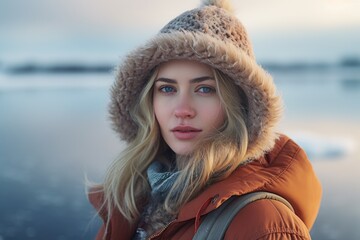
x: 184, y: 108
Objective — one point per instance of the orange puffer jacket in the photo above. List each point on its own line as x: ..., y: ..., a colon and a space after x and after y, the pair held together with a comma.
x: 285, y: 171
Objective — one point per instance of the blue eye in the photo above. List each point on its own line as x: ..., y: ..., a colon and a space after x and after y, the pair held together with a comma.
x: 206, y: 90
x: 167, y: 89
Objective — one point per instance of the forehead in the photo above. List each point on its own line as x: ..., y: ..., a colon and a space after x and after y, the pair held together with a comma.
x: 184, y: 69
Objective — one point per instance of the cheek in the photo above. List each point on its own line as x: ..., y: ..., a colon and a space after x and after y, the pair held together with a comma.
x: 221, y: 116
x: 214, y: 115
x: 159, y: 111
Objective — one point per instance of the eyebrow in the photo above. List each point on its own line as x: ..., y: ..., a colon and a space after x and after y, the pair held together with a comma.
x: 194, y: 80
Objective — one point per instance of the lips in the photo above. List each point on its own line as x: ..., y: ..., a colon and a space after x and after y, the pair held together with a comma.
x: 185, y: 132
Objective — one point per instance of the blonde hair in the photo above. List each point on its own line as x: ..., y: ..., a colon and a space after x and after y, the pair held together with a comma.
x: 126, y: 186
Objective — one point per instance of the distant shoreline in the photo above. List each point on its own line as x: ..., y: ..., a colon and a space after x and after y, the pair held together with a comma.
x: 104, y: 68
x: 57, y: 68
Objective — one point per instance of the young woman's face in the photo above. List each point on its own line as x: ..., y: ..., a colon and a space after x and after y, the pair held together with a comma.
x: 186, y: 104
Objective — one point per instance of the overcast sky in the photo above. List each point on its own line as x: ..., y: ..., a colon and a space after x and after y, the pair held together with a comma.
x: 106, y: 29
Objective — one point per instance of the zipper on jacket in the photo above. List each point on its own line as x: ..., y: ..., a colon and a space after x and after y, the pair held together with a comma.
x: 158, y: 233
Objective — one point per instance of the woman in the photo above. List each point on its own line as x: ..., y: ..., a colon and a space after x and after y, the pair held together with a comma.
x: 199, y: 117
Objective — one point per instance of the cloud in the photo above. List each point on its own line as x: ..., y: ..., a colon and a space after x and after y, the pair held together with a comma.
x: 110, y: 15
x: 303, y: 15
x: 89, y: 14
x: 34, y: 27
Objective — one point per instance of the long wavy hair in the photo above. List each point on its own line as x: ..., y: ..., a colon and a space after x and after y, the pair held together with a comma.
x: 126, y: 187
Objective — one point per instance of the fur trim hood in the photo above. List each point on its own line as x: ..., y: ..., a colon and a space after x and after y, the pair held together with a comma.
x: 210, y: 34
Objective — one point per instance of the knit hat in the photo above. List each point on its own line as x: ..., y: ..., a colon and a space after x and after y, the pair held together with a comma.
x: 210, y: 34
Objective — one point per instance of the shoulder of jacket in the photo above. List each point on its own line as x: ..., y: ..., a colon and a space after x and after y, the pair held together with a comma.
x: 265, y: 219
x: 97, y: 199
x: 283, y: 145
x: 96, y: 196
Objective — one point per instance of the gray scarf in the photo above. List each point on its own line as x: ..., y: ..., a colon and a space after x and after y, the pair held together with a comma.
x: 161, y: 179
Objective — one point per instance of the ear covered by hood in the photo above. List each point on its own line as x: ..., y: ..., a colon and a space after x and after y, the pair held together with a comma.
x: 210, y: 34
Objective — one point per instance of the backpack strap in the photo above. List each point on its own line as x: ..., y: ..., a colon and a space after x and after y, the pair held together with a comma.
x: 215, y: 224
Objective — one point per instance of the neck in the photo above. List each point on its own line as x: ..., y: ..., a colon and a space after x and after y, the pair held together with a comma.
x: 181, y: 161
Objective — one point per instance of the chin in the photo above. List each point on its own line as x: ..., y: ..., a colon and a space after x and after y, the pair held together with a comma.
x: 182, y: 151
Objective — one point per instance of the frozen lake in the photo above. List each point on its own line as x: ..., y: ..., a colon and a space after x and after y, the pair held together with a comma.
x: 54, y: 129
